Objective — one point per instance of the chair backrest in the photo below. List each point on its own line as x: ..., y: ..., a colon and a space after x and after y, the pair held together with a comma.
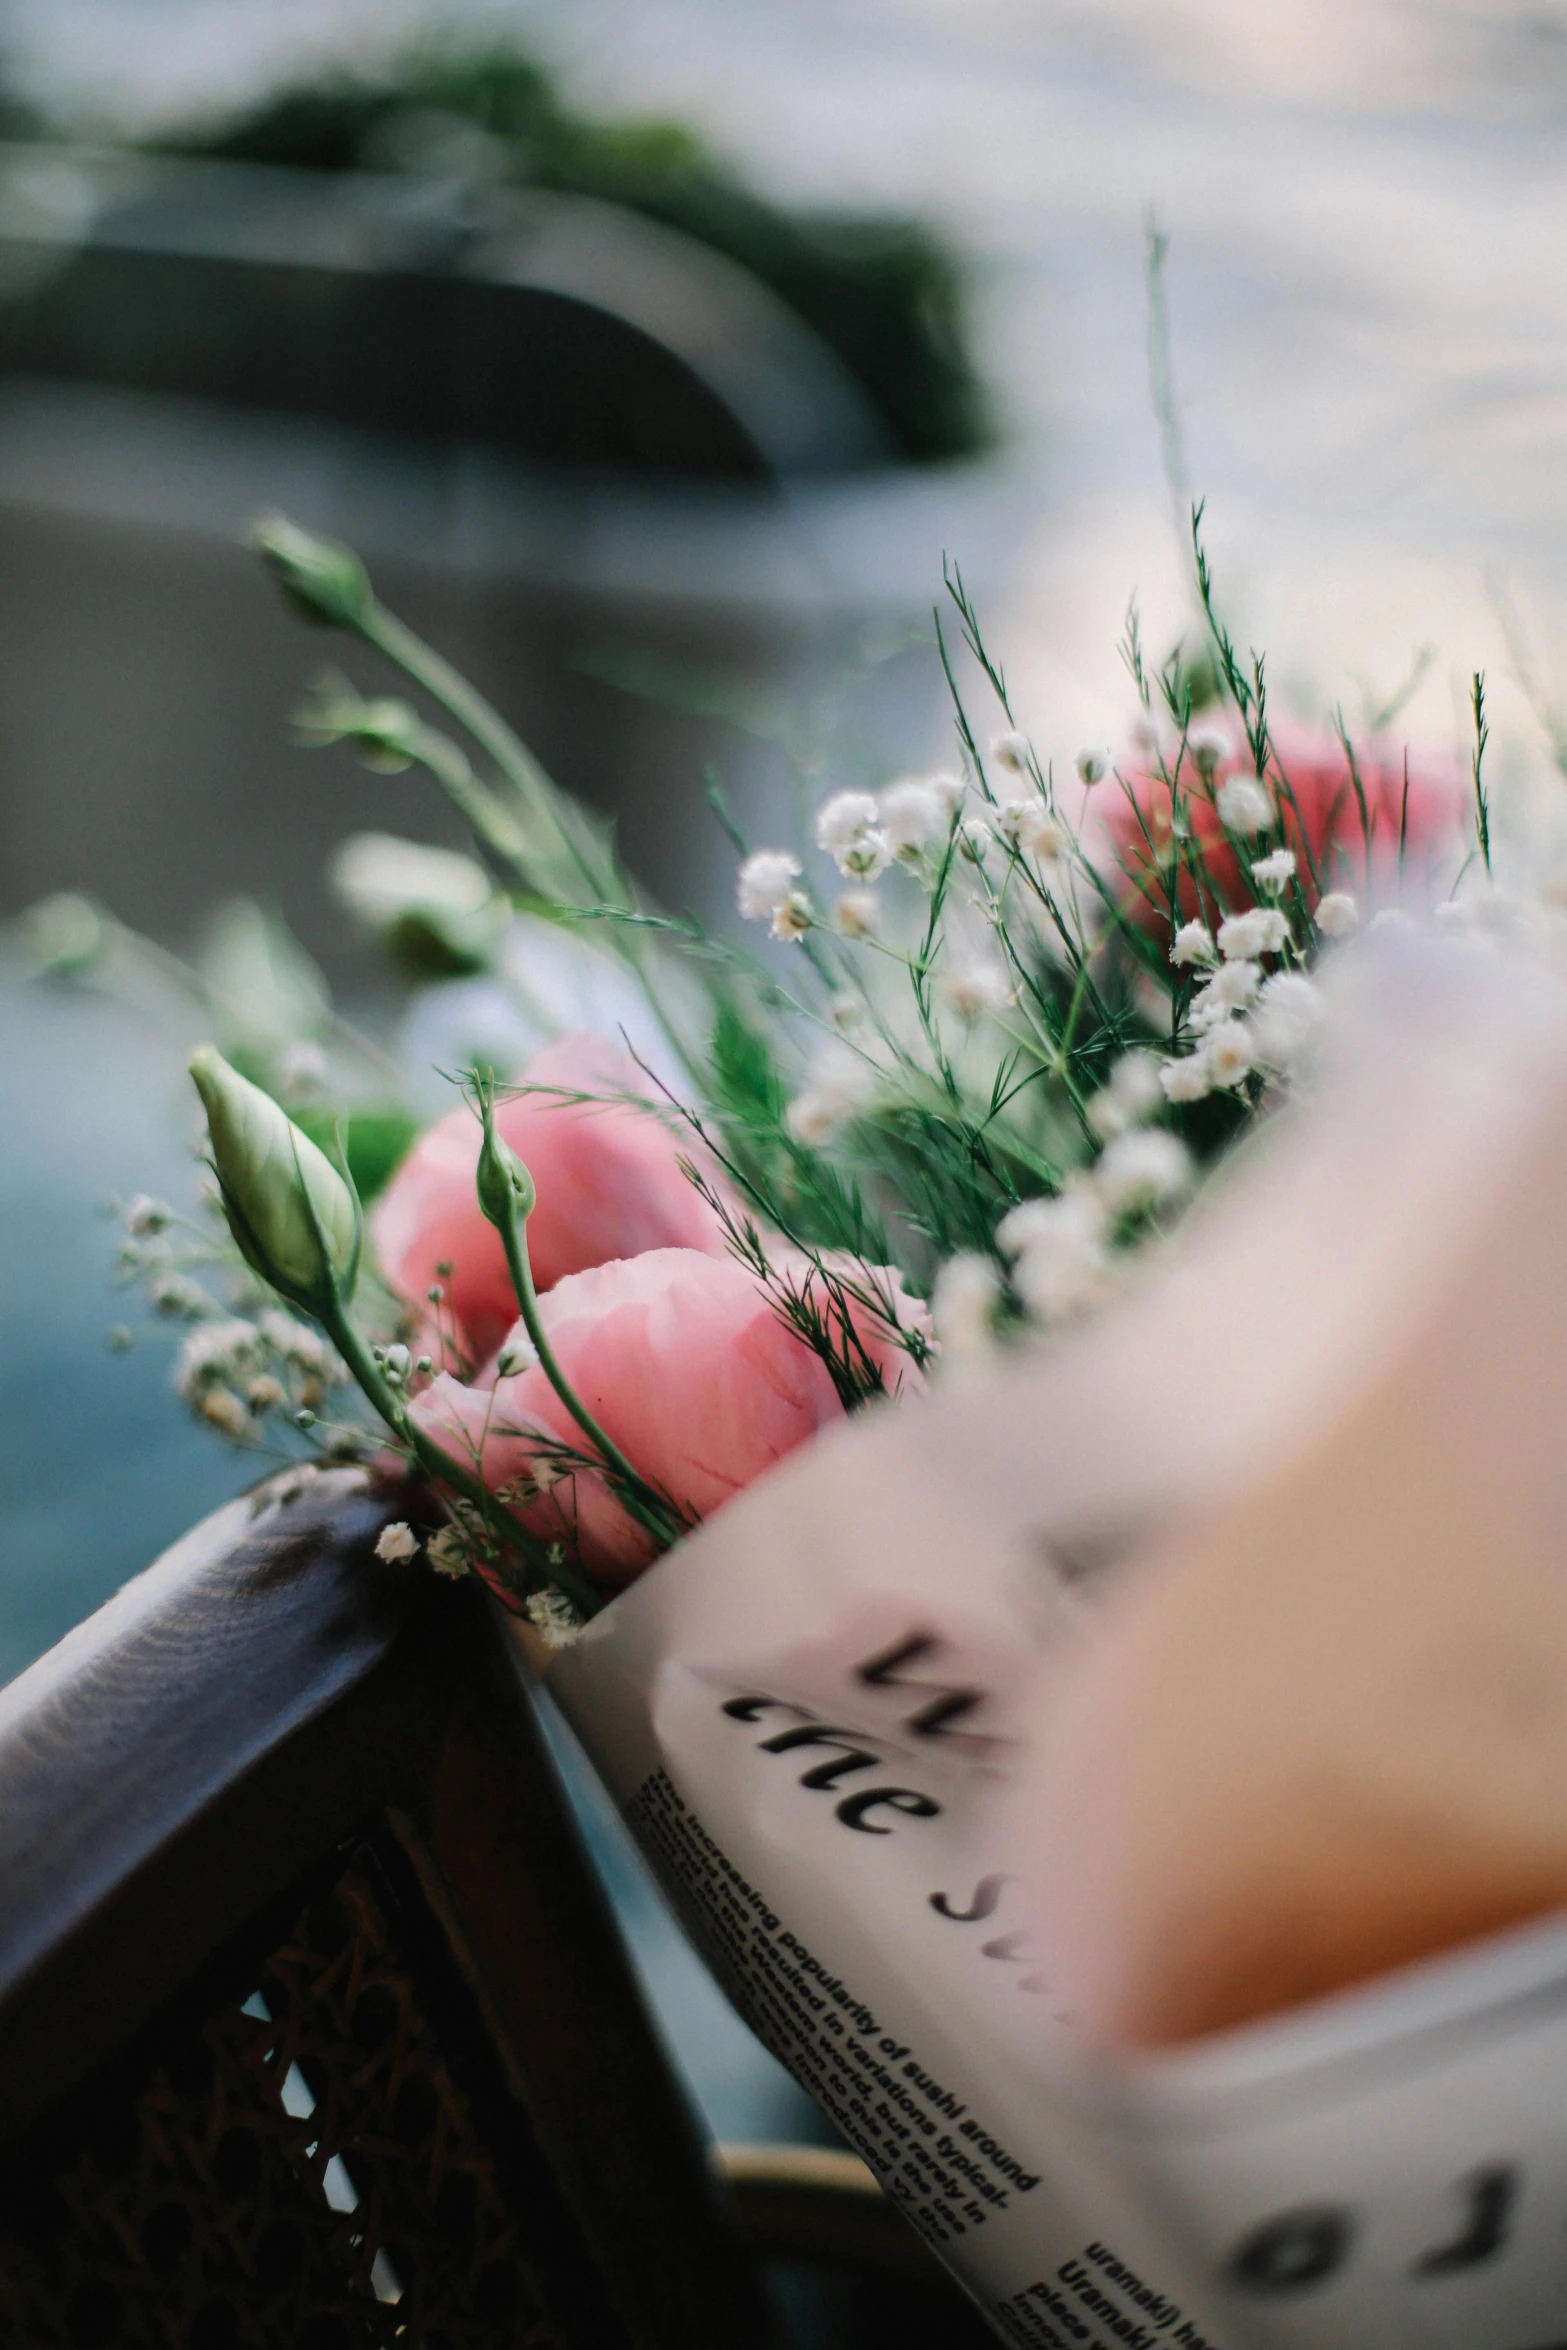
x: 315, y: 2029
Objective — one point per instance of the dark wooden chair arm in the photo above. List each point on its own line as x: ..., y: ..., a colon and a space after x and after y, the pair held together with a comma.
x: 269, y: 1717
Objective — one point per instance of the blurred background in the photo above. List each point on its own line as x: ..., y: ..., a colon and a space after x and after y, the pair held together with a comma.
x: 654, y: 353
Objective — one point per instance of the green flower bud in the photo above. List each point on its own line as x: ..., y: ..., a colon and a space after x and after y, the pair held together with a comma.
x: 505, y: 1186
x: 324, y: 583
x: 295, y: 1219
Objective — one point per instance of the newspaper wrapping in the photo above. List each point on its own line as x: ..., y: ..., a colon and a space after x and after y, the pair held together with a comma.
x: 807, y: 1711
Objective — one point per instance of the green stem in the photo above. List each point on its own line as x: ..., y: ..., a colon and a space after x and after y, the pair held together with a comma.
x: 637, y: 1493
x: 574, y: 870
x: 440, y: 1466
x: 397, y: 643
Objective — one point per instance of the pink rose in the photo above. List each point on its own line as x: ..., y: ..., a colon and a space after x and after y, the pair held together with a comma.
x: 685, y: 1364
x: 608, y: 1180
x: 1323, y: 826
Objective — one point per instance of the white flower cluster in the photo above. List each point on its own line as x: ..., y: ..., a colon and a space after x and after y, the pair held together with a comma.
x: 1061, y: 1249
x: 848, y: 828
x: 1273, y: 874
x: 234, y: 1372
x: 553, y: 1618
x: 1244, y: 804
x: 917, y: 815
x: 769, y: 892
x: 975, y: 986
x: 907, y: 824
x: 1242, y: 1020
x: 1057, y: 1247
x: 1027, y: 822
x: 1130, y: 1094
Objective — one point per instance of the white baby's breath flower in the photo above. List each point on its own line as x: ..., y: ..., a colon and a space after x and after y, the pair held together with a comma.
x: 447, y: 1553
x: 949, y: 789
x: 553, y: 1618
x: 266, y: 1393
x: 1207, y: 747
x: 973, y: 988
x: 517, y: 1356
x: 840, y: 1085
x: 1231, y: 989
x: 1142, y: 1171
x: 975, y: 839
x: 814, y: 1118
x: 1274, y: 873
x: 1229, y: 1054
x: 857, y: 913
x: 1188, y: 1079
x: 1145, y: 736
x: 1235, y: 984
x: 1057, y: 1247
x: 1030, y: 1220
x: 181, y: 1298
x: 963, y: 1306
x: 794, y: 917
x: 1131, y: 1094
x: 1031, y: 825
x: 1011, y: 751
x: 144, y: 1216
x: 1288, y: 1015
x: 766, y: 881
x: 214, y: 1351
x: 1193, y: 943
x: 842, y: 819
x: 396, y: 1544
x: 912, y: 818
x: 846, y: 828
x: 1208, y: 1011
x: 1093, y: 764
x: 1337, y: 914
x: 295, y: 1341
x: 1243, y: 804
x: 846, y: 1012
x: 1391, y: 918
x: 222, y: 1407
x: 1261, y: 930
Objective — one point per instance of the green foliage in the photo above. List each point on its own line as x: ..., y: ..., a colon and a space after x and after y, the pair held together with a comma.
x: 375, y: 1142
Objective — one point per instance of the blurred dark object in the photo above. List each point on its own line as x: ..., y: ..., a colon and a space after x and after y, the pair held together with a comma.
x: 314, y: 2024
x: 563, y: 330
x: 882, y: 294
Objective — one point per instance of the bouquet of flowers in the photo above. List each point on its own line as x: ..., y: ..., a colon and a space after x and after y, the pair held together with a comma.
x: 895, y: 1163
x: 1015, y: 1012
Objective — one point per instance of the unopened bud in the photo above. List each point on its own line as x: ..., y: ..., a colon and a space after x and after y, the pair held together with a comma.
x: 505, y: 1186
x: 290, y: 1211
x: 324, y: 583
